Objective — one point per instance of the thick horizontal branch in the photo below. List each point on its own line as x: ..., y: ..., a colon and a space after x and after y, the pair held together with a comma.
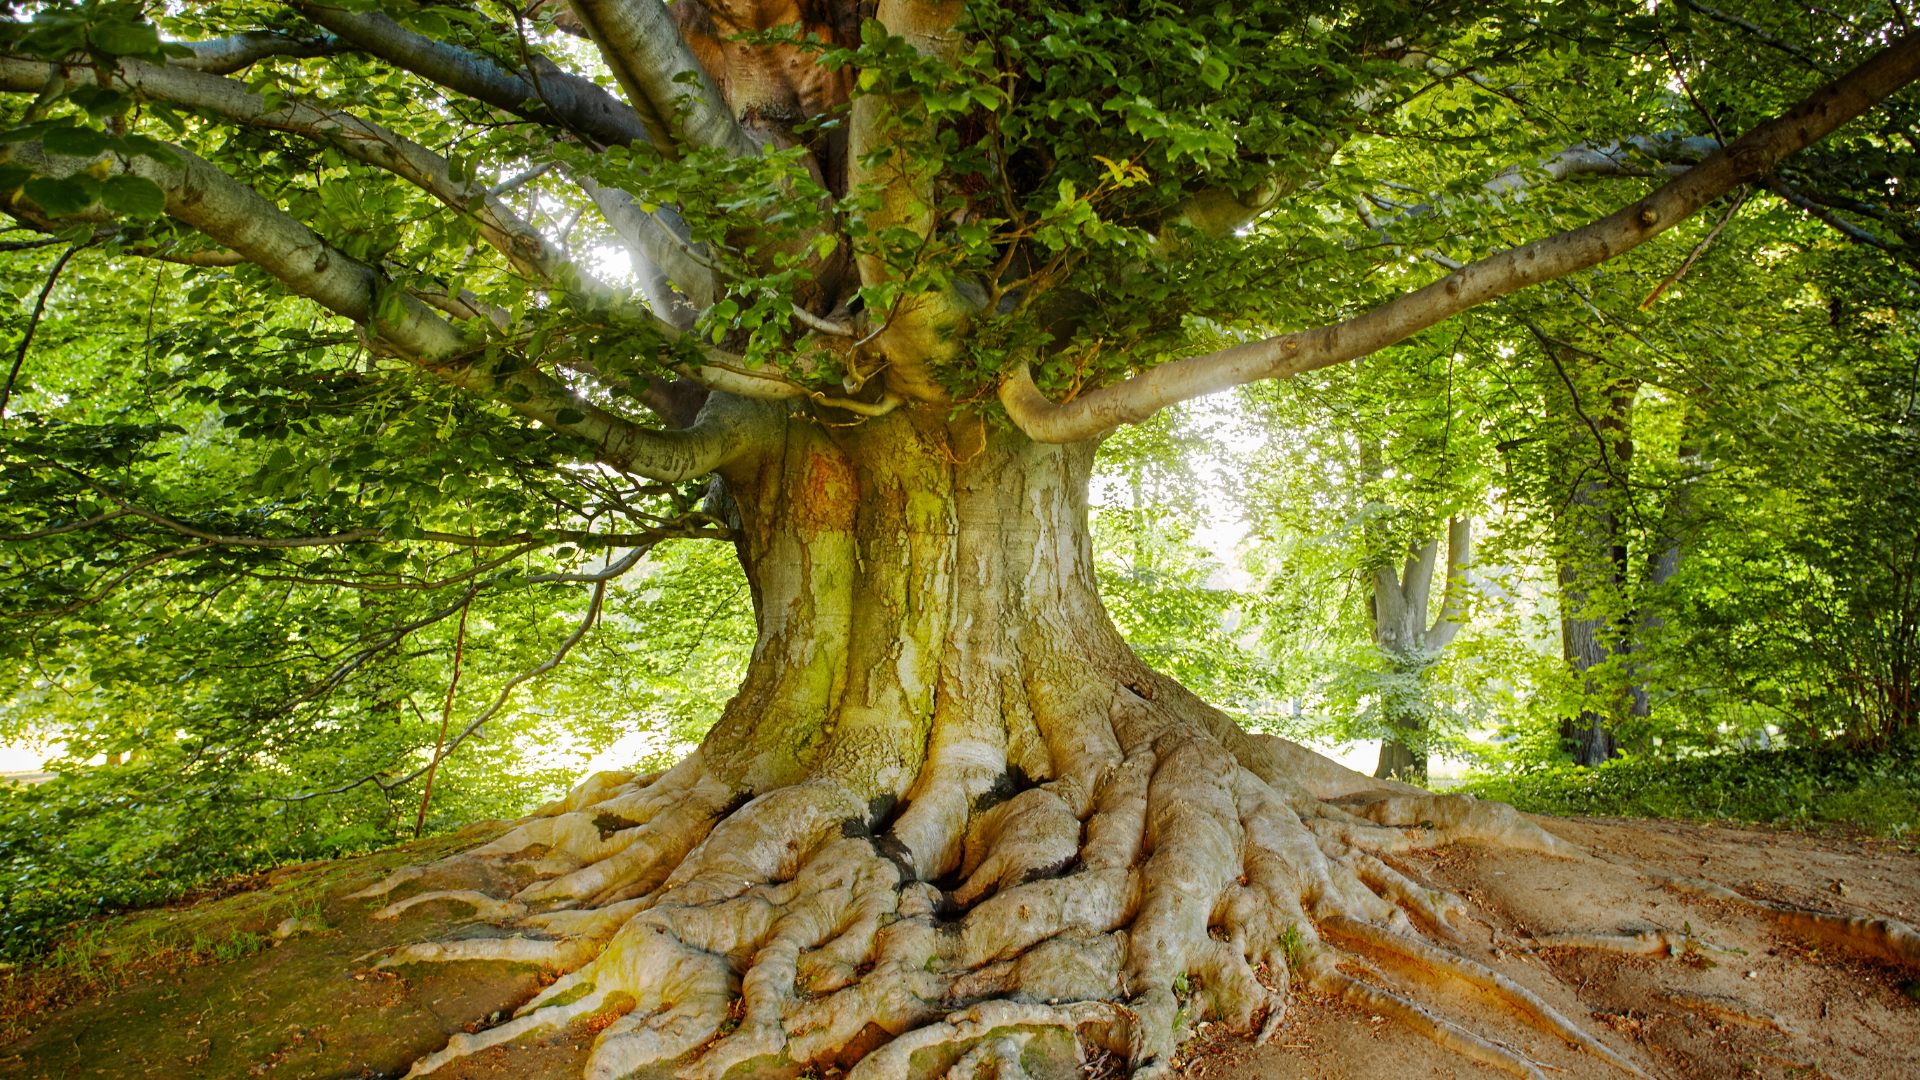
x: 1638, y: 155
x: 1664, y: 155
x: 1743, y: 161
x: 229, y: 212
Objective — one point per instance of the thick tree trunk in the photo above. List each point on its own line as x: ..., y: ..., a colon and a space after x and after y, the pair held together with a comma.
x: 945, y: 781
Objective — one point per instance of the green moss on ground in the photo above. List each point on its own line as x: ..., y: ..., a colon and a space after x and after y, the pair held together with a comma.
x: 207, y: 989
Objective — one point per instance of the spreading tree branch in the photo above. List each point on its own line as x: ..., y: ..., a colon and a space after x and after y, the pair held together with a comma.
x: 1832, y: 220
x: 586, y: 623
x: 518, y: 240
x: 33, y: 324
x: 1763, y: 36
x: 231, y: 213
x: 1743, y: 161
x: 543, y: 93
x: 224, y: 56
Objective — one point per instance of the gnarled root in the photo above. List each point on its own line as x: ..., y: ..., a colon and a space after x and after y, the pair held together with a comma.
x: 1156, y: 880
x: 970, y: 1025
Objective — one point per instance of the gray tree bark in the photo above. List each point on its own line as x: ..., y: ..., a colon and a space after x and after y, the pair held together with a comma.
x: 1409, y: 645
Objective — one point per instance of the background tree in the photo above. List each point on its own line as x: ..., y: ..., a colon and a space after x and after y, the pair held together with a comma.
x: 866, y: 257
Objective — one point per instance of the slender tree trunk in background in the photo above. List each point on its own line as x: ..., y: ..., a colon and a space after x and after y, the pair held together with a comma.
x: 1409, y: 646
x: 1663, y: 562
x: 1597, y: 449
x: 1404, y: 713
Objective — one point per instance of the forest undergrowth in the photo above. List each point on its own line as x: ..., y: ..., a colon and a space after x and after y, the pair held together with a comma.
x: 1871, y: 792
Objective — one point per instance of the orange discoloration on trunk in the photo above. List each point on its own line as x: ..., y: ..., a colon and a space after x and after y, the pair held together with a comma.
x: 829, y: 492
x: 773, y: 87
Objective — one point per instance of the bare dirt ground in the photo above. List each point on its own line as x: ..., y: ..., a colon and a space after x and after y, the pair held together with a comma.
x: 1780, y: 1007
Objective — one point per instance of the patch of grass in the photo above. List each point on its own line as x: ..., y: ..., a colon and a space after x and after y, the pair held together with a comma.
x: 90, y: 958
x: 91, y: 962
x: 1875, y: 792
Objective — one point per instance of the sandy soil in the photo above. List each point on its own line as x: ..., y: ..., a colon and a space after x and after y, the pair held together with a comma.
x: 1779, y: 1007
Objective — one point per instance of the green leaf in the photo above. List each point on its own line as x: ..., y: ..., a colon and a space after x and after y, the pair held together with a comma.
x: 167, y: 116
x: 143, y: 146
x: 569, y: 417
x: 134, y: 196
x: 428, y: 23
x: 76, y: 141
x: 101, y: 101
x: 12, y: 176
x: 124, y: 39
x: 61, y: 196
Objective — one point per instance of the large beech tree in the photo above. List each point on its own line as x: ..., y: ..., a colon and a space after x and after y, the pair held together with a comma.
x: 895, y: 269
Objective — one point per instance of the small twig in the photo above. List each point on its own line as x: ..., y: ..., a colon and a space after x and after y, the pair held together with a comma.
x: 825, y: 326
x: 514, y: 183
x: 33, y: 324
x: 882, y: 407
x: 446, y: 715
x: 1696, y: 252
x: 1842, y: 225
x: 1761, y: 35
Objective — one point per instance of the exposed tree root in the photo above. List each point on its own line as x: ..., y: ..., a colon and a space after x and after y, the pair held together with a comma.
x: 1645, y: 943
x: 998, y: 1059
x: 484, y: 906
x: 1461, y: 1041
x: 1886, y: 939
x: 974, y: 1024
x: 1505, y: 990
x: 1131, y: 896
x: 561, y: 955
x: 1727, y: 1008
